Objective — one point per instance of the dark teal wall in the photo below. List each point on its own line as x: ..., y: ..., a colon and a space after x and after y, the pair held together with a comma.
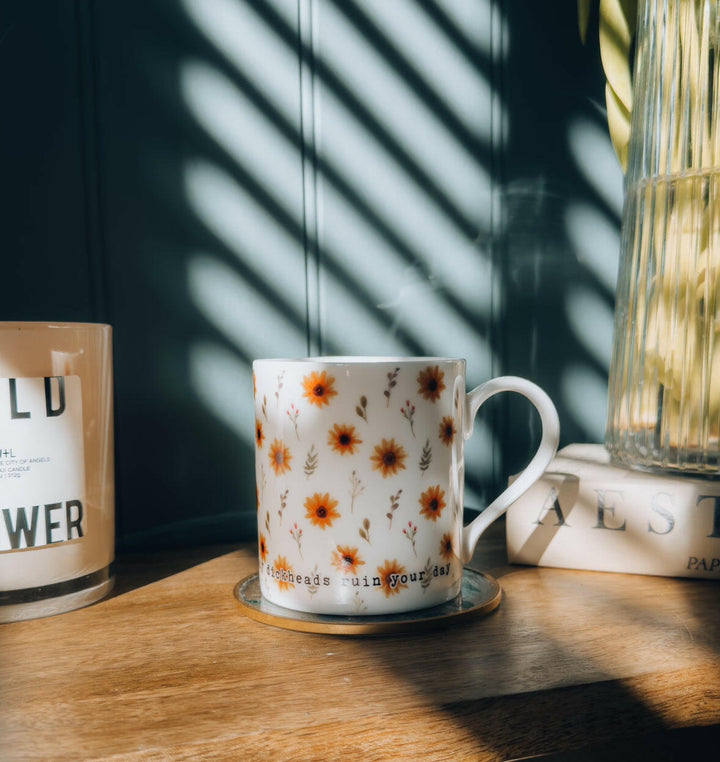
x: 226, y: 179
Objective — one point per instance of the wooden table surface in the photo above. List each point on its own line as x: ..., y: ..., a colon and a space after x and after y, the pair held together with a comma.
x: 172, y: 670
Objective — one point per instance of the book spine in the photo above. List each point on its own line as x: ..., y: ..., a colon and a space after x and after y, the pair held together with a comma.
x: 642, y: 526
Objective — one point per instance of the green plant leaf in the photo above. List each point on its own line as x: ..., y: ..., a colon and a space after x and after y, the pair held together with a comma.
x: 619, y: 125
x: 618, y: 19
x: 617, y: 29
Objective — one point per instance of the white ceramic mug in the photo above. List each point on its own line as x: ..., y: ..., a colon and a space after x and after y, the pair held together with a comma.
x: 360, y: 472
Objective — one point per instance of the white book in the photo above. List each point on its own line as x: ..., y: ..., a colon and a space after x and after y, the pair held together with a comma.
x: 585, y: 513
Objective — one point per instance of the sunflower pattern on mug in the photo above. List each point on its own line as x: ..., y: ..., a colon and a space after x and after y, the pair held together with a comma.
x: 355, y: 505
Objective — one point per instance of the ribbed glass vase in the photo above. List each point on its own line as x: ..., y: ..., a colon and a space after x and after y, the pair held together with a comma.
x: 664, y: 383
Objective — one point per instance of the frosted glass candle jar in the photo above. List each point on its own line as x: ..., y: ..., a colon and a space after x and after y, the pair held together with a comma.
x: 57, y: 508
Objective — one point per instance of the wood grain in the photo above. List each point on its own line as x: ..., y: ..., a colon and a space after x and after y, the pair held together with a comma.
x: 172, y: 670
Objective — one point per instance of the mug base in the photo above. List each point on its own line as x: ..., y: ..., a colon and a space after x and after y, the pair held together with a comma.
x: 480, y: 594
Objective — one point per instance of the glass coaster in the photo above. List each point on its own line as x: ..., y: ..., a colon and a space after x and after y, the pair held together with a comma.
x: 480, y: 594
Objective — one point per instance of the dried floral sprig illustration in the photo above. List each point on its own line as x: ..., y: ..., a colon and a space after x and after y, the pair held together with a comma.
x: 293, y: 414
x: 364, y: 531
x: 392, y: 382
x: 394, y: 505
x: 311, y: 461
x: 283, y: 503
x: 313, y: 587
x: 361, y: 408
x: 296, y: 533
x: 267, y: 522
x: 280, y: 383
x: 425, y: 457
x: 356, y: 489
x: 427, y: 575
x: 410, y: 531
x: 408, y: 412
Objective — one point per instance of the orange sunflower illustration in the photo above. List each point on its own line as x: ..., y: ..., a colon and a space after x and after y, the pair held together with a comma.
x: 432, y: 502
x: 259, y: 434
x: 280, y: 457
x: 321, y: 510
x: 391, y: 577
x: 281, y: 565
x: 346, y: 559
x: 262, y: 547
x: 343, y: 439
x: 447, y: 430
x: 430, y: 383
x: 319, y: 388
x: 446, y: 547
x: 388, y: 458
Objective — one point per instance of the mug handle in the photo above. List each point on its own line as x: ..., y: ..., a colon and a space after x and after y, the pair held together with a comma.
x: 533, y: 471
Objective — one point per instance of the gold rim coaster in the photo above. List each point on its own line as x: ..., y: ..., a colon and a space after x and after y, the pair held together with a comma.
x: 480, y: 594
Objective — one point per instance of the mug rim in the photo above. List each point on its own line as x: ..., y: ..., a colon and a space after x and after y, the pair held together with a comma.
x: 360, y: 360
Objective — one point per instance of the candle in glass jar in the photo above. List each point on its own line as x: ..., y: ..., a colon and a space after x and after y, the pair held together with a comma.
x: 57, y: 511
